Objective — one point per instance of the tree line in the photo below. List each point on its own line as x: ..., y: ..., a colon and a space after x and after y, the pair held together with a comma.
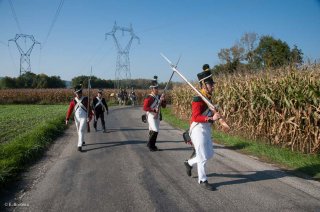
x: 254, y: 52
x: 31, y: 80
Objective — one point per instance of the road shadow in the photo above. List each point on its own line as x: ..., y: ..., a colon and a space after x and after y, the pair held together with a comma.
x: 253, y: 176
x: 102, y: 145
x: 134, y: 129
x: 312, y: 170
x: 177, y: 149
x: 233, y: 147
x: 180, y: 141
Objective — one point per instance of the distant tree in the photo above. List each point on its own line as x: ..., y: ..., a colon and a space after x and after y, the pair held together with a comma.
x: 83, y: 80
x: 296, y: 56
x: 271, y: 53
x: 41, y: 81
x: 95, y: 82
x: 27, y: 80
x: 231, y: 58
x: 249, y: 42
x: 8, y: 82
x: 225, y: 55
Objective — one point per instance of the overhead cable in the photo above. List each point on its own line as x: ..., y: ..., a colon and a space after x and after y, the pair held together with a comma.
x: 53, y: 22
x: 15, y: 16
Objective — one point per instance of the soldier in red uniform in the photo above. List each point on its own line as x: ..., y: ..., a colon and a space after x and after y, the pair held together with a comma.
x: 151, y: 105
x: 200, y: 128
x: 80, y: 107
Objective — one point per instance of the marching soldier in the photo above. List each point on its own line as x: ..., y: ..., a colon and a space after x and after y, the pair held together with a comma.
x: 99, y: 105
x: 151, y: 105
x: 80, y: 107
x: 200, y: 129
x: 133, y: 97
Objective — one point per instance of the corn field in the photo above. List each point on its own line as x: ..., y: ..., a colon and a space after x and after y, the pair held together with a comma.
x: 281, y: 107
x: 59, y: 96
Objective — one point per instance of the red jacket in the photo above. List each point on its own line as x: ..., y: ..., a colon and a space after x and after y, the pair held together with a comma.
x: 149, y: 101
x: 198, y: 108
x: 73, y: 104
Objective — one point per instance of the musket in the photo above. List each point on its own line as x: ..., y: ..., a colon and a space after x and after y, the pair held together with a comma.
x: 88, y: 105
x: 166, y: 87
x: 205, y: 99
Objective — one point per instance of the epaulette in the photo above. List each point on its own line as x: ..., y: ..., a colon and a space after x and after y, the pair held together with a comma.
x: 197, y: 99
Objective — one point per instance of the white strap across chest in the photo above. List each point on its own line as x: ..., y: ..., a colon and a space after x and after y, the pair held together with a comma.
x: 155, y: 102
x: 79, y: 104
x: 99, y: 103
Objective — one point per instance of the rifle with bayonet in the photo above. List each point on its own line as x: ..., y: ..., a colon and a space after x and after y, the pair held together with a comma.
x: 213, y: 108
x: 88, y: 104
x: 165, y: 89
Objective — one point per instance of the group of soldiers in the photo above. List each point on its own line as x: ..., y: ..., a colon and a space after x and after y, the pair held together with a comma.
x: 123, y: 97
x: 201, y: 122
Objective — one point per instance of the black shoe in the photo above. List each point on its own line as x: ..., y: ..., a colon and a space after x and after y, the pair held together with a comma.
x: 79, y: 148
x: 153, y: 149
x: 83, y: 143
x: 207, y: 186
x: 188, y: 168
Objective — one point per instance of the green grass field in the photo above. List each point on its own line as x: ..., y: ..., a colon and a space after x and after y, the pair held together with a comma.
x: 26, y: 131
x: 303, y: 163
x: 15, y: 120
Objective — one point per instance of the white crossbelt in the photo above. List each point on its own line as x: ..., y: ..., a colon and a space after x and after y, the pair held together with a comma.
x: 155, y: 103
x: 79, y: 104
x: 99, y: 103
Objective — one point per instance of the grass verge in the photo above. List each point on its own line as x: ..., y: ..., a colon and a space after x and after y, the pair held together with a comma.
x: 17, y: 153
x: 301, y: 163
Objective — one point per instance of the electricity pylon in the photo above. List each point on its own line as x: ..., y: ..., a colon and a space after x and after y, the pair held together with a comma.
x: 122, y: 73
x: 25, y: 44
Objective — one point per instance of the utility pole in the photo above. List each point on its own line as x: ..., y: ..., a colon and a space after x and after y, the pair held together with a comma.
x: 25, y: 44
x: 122, y: 73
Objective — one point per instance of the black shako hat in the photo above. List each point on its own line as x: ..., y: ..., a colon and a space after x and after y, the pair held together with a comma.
x: 205, y: 67
x: 154, y: 82
x: 78, y: 89
x: 205, y: 76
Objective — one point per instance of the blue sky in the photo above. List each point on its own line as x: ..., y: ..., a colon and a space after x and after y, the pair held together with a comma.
x: 194, y: 29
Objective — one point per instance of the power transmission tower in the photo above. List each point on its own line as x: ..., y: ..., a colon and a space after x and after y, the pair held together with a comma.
x: 122, y: 74
x: 25, y: 44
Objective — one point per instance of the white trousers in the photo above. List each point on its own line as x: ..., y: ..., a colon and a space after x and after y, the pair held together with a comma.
x: 200, y: 134
x: 80, y: 118
x: 200, y: 167
x: 153, y: 122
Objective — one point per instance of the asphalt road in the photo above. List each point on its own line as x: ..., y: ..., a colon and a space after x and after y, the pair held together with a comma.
x: 116, y: 172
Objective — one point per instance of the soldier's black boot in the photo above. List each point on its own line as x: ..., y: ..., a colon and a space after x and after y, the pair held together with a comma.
x: 154, y: 140
x: 103, y: 124
x: 149, y: 138
x: 95, y: 125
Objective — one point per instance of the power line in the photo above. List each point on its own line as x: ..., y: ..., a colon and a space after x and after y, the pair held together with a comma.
x: 15, y: 16
x: 53, y: 22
